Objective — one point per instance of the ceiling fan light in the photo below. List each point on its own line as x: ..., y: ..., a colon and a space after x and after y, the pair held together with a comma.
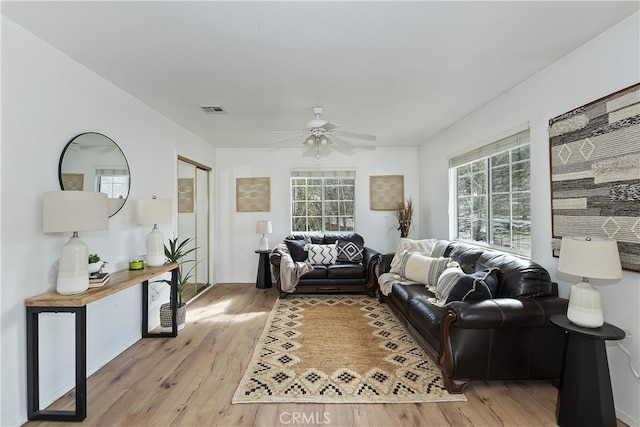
x: 323, y: 140
x: 311, y: 140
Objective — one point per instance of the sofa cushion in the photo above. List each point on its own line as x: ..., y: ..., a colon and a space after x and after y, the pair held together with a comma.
x: 318, y: 272
x: 422, y: 269
x: 519, y: 277
x: 349, y: 252
x: 423, y: 247
x: 480, y: 285
x: 447, y: 281
x: 321, y: 254
x: 330, y: 238
x: 426, y: 318
x: 466, y: 256
x: 296, y: 248
x: 346, y: 271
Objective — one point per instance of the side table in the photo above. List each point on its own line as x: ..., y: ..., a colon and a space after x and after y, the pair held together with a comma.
x: 585, y: 397
x: 264, y: 270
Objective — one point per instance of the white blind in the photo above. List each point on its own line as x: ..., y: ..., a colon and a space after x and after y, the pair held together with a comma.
x: 106, y: 171
x: 323, y: 174
x: 499, y: 146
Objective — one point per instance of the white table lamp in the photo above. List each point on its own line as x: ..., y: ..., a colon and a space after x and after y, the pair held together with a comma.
x: 74, y: 211
x: 264, y: 228
x: 588, y: 257
x: 154, y: 211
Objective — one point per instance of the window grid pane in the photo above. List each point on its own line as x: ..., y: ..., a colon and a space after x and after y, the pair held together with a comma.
x: 493, y: 201
x: 322, y: 204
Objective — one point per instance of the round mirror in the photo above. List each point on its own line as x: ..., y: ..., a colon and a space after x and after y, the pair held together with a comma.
x: 93, y: 162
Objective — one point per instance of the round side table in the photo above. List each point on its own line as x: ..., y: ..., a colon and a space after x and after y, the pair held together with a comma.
x: 585, y: 397
x: 264, y: 270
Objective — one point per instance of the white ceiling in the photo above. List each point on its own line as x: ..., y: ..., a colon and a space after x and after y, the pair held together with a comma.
x: 403, y: 71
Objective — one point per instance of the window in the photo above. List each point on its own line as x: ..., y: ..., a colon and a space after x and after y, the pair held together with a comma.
x: 492, y: 195
x: 114, y: 182
x: 322, y: 201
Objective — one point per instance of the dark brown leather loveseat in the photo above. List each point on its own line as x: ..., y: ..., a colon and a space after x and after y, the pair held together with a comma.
x: 340, y: 277
x: 506, y: 337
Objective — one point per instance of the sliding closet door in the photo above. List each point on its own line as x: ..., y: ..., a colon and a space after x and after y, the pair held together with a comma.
x: 193, y: 222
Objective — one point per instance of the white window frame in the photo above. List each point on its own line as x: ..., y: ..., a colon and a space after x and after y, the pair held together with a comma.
x: 514, y: 141
x: 111, y: 173
x: 323, y: 175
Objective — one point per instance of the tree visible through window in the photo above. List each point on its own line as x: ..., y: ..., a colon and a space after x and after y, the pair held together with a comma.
x: 492, y: 196
x: 322, y: 203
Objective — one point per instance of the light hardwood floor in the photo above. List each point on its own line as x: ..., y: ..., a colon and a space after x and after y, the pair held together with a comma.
x: 190, y: 380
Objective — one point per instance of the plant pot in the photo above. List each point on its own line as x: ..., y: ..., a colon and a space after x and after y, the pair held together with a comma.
x: 165, y: 316
x: 94, y: 267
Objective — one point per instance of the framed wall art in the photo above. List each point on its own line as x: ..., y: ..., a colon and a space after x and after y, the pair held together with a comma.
x: 185, y: 195
x: 595, y: 173
x: 386, y: 192
x: 73, y: 181
x: 253, y: 194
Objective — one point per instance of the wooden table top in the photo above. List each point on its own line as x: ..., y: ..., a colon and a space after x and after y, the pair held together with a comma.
x: 118, y: 281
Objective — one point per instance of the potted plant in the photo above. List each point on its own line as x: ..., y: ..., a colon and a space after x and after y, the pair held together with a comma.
x: 175, y: 252
x: 404, y: 215
x: 95, y: 263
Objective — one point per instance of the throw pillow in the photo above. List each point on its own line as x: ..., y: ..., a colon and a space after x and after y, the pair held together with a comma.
x: 296, y: 248
x: 349, y: 252
x: 422, y: 269
x: 477, y: 286
x: 321, y: 254
x: 423, y: 247
x: 447, y: 281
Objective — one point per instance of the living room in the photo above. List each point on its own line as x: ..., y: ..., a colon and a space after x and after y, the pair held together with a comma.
x: 48, y: 98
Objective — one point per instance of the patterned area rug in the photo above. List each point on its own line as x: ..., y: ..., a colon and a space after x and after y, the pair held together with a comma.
x: 338, y: 349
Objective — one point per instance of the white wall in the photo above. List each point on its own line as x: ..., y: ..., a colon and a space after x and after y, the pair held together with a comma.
x: 47, y: 99
x: 236, y: 238
x: 606, y: 64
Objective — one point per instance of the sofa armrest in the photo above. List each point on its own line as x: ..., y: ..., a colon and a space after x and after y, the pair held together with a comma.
x: 385, y: 262
x: 369, y: 255
x: 504, y: 312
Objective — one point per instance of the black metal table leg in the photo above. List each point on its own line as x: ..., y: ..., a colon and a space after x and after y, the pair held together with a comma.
x: 33, y: 371
x: 174, y: 309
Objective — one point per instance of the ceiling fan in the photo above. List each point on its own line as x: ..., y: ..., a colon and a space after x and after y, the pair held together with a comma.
x: 321, y: 136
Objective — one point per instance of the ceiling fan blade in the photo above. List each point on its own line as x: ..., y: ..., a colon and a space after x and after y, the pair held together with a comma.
x: 344, y: 150
x: 356, y: 135
x: 299, y: 135
x: 352, y: 146
x: 330, y: 126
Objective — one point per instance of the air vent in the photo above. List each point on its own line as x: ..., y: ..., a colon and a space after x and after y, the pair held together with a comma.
x: 213, y: 109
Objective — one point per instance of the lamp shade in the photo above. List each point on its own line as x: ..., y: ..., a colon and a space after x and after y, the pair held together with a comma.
x: 73, y: 211
x: 65, y: 211
x: 263, y: 227
x: 153, y: 211
x: 590, y: 257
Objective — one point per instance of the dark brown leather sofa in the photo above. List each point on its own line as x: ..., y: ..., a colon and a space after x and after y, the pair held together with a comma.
x: 507, y: 337
x: 341, y: 277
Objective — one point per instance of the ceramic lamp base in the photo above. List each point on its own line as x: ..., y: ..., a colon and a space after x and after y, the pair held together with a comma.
x: 73, y: 269
x: 585, y: 308
x: 264, y: 243
x: 155, y: 248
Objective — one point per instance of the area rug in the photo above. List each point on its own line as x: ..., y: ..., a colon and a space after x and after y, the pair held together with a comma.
x: 338, y: 349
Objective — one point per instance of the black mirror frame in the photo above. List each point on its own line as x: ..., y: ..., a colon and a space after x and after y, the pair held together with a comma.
x: 66, y: 147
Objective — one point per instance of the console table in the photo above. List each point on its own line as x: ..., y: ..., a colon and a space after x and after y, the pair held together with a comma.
x: 53, y: 302
x: 585, y: 397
